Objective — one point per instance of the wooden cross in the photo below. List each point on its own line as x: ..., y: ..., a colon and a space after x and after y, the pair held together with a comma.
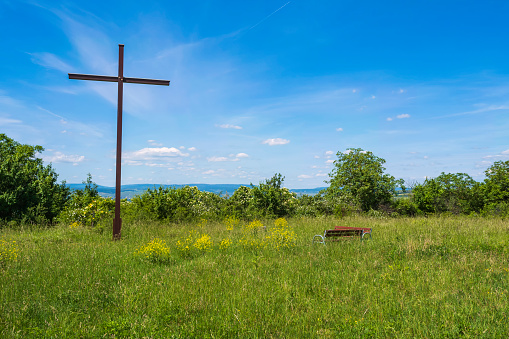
x: 120, y: 79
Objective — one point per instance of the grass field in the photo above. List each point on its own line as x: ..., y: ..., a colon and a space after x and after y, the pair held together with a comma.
x: 417, y: 278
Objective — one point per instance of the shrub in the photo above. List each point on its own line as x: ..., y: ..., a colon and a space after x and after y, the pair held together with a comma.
x: 180, y: 204
x: 405, y: 207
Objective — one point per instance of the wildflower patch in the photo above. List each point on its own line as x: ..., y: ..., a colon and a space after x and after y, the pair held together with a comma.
x: 8, y: 252
x: 155, y: 251
x: 194, y: 243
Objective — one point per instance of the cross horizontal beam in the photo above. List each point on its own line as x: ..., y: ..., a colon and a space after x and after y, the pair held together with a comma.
x: 115, y: 79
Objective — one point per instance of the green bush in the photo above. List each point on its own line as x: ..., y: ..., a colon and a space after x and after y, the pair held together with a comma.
x: 180, y: 204
x: 405, y: 207
x: 29, y: 191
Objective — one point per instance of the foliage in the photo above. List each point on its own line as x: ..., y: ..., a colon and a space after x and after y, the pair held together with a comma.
x: 29, y: 191
x: 239, y: 202
x: 315, y: 205
x: 270, y: 199
x: 496, y: 188
x: 455, y: 193
x: 86, y: 206
x: 405, y: 207
x: 180, y: 204
x: 358, y: 177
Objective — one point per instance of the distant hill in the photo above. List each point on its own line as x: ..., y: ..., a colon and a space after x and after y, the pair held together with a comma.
x: 129, y: 191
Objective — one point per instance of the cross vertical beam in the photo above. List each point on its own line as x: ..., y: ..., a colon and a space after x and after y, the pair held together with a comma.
x: 117, y: 221
x: 120, y: 79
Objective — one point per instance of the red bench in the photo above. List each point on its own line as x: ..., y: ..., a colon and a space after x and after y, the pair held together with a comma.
x: 341, y: 232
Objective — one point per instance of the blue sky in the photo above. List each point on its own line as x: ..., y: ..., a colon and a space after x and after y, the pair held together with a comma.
x: 258, y: 87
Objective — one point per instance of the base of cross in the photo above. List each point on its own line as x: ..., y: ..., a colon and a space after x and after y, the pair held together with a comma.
x: 117, y: 226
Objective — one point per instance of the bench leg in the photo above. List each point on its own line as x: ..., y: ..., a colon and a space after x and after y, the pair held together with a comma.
x: 364, y: 234
x: 319, y: 239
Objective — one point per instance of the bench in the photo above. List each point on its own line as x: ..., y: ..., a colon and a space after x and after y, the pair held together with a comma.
x: 341, y: 232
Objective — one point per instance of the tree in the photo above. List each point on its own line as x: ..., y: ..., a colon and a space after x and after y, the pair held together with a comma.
x: 358, y: 177
x: 28, y: 189
x: 449, y: 192
x: 270, y: 199
x: 497, y: 183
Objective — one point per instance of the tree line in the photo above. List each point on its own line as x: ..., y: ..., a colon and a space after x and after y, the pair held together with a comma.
x: 358, y: 183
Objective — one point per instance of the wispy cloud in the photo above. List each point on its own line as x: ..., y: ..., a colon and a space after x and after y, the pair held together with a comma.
x: 52, y: 61
x: 59, y: 157
x: 232, y: 157
x: 229, y: 126
x: 217, y: 159
x: 6, y: 100
x: 7, y: 121
x: 276, y: 141
x: 268, y: 16
x: 486, y: 109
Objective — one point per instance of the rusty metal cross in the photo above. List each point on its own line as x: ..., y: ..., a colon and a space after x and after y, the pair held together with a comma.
x: 120, y: 79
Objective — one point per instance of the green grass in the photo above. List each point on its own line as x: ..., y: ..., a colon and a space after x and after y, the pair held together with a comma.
x: 417, y: 278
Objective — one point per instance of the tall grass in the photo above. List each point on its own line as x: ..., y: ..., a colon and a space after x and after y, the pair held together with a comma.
x: 424, y: 277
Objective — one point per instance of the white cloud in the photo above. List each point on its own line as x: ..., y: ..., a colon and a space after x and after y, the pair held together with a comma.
x: 276, y: 141
x: 208, y: 172
x: 506, y: 152
x: 400, y: 116
x: 154, y: 143
x: 149, y: 153
x: 321, y: 174
x: 232, y: 157
x: 229, y: 126
x: 329, y: 153
x: 305, y: 176
x: 339, y: 129
x: 59, y: 157
x: 329, y: 161
x: 191, y: 149
x: 217, y: 159
x: 403, y: 116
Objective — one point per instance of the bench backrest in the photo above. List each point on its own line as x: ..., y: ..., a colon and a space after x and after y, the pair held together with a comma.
x: 342, y: 233
x: 365, y: 229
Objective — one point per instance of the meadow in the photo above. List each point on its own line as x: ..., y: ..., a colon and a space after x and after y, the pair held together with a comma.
x: 437, y: 277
